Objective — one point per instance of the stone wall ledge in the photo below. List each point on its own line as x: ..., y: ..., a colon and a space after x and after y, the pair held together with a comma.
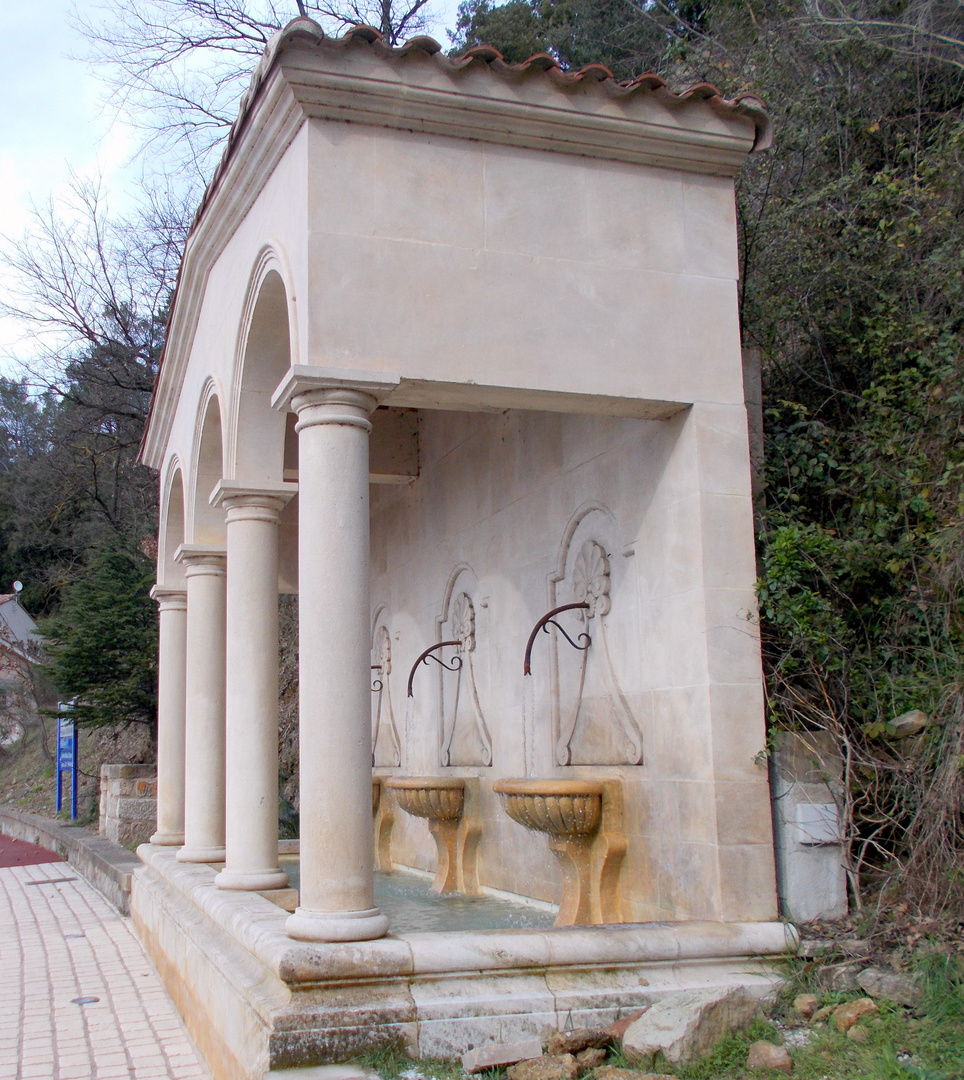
x: 106, y: 865
x: 259, y: 927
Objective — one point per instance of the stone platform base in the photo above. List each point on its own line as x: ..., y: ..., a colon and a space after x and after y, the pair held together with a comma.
x: 255, y: 1000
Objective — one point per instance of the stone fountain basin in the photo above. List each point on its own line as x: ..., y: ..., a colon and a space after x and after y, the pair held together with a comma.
x: 437, y: 798
x: 565, y: 808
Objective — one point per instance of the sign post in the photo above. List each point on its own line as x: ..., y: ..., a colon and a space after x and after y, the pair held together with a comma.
x: 67, y: 760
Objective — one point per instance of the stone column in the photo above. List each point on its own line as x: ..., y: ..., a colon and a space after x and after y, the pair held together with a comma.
x: 251, y: 827
x: 172, y: 653
x: 337, y: 898
x: 204, y: 708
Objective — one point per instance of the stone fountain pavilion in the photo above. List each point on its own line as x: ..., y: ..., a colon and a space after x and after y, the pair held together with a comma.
x: 455, y: 357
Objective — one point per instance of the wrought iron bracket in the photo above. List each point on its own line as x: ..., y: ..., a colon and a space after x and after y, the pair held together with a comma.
x: 377, y: 684
x: 548, y: 620
x: 424, y: 658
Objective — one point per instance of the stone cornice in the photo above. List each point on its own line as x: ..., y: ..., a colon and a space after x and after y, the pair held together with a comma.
x: 304, y: 74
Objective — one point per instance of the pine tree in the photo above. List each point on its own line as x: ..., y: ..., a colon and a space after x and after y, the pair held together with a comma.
x: 102, y: 642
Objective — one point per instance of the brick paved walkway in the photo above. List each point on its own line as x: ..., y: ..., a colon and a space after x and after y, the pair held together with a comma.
x: 61, y: 941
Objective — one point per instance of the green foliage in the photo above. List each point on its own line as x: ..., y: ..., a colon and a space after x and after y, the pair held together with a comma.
x: 851, y: 233
x: 102, y: 641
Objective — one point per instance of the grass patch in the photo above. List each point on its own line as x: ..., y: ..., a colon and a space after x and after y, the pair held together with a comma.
x: 392, y: 1061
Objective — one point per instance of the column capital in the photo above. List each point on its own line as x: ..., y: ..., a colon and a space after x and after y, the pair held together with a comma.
x: 302, y: 379
x: 263, y: 501
x: 202, y: 558
x: 169, y: 599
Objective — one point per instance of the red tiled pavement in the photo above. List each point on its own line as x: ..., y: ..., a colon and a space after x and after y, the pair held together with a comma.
x: 20, y: 853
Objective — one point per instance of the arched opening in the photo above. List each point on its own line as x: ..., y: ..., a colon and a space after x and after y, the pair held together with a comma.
x: 208, y: 521
x: 170, y: 573
x: 260, y: 431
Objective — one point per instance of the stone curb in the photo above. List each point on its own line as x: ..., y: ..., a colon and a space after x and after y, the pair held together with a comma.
x: 106, y: 865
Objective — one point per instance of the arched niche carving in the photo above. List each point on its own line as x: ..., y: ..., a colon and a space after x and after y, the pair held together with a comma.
x: 465, y: 738
x: 256, y: 443
x: 171, y: 529
x: 205, y: 522
x: 593, y: 719
x: 386, y: 745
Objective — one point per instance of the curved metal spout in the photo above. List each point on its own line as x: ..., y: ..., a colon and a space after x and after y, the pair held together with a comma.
x: 427, y: 655
x: 543, y: 624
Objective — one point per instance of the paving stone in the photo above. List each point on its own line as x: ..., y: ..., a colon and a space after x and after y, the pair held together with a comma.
x: 44, y: 970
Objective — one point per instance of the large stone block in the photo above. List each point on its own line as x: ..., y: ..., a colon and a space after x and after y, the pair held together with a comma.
x: 683, y: 1027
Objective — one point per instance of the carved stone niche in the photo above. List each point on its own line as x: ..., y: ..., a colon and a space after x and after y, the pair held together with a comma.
x: 386, y: 745
x: 593, y: 692
x: 465, y: 738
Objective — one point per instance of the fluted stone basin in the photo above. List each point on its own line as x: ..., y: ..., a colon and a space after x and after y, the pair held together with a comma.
x: 557, y: 807
x: 440, y: 800
x: 434, y: 797
x: 570, y: 813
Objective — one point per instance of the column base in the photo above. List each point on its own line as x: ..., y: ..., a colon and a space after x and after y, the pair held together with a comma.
x: 167, y: 839
x: 307, y: 925
x: 252, y: 880
x: 201, y: 854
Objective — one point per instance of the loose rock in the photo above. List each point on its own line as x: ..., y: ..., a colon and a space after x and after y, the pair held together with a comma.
x: 888, y: 984
x: 684, y: 1026
x: 805, y: 1005
x: 909, y: 723
x: 573, y: 1042
x: 823, y: 1014
x: 845, y: 1016
x: 854, y: 946
x: 547, y: 1067
x: 765, y: 1055
x: 841, y: 978
x: 488, y: 1057
x: 617, y: 1029
x: 858, y: 1033
x: 590, y: 1057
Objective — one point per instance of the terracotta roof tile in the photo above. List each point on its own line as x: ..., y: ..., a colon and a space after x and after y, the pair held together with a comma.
x: 305, y: 30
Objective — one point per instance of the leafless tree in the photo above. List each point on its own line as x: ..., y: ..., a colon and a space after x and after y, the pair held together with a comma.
x: 931, y: 29
x: 177, y: 68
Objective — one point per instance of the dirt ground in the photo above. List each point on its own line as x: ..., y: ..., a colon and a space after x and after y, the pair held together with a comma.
x: 27, y: 767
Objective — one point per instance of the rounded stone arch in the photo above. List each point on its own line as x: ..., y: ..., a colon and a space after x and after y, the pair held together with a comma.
x: 205, y: 523
x: 572, y: 526
x: 172, y: 528
x: 259, y: 433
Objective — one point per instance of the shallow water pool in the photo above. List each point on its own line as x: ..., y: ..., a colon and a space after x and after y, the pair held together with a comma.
x: 411, y: 908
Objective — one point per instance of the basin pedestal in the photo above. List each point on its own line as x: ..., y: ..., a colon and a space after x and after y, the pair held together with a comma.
x: 440, y: 800
x: 383, y: 814
x: 590, y: 853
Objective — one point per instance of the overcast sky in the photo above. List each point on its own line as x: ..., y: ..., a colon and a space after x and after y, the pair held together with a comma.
x: 52, y: 122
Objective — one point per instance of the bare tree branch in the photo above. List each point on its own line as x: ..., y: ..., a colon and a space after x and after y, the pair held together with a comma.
x: 176, y: 69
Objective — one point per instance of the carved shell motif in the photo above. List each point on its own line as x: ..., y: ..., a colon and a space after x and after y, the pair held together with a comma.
x: 463, y: 622
x: 591, y: 578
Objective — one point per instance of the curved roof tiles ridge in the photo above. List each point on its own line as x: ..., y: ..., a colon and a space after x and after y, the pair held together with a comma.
x: 303, y: 30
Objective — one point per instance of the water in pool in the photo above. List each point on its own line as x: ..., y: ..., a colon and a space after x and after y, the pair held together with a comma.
x: 411, y: 908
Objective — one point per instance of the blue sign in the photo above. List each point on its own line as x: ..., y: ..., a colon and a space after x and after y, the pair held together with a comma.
x: 67, y: 760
